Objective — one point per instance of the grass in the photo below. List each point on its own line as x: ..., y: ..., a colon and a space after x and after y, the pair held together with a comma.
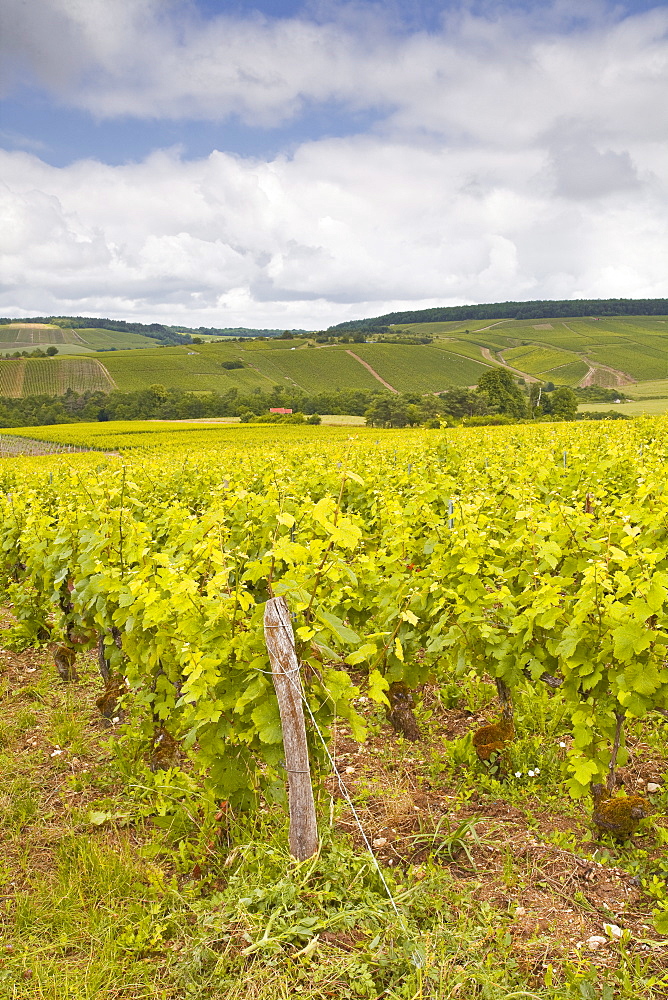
x: 633, y: 409
x: 114, y: 890
x: 187, y: 368
x: 631, y: 360
x: 569, y: 374
x: 657, y: 389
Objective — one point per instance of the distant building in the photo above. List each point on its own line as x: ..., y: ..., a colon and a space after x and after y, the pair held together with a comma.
x: 279, y: 409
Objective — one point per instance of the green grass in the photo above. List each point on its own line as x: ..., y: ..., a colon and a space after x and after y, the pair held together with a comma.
x: 632, y: 361
x: 97, y: 338
x: 633, y: 409
x: 185, y: 368
x: 463, y: 347
x: 51, y: 376
x: 121, y: 884
x: 657, y: 389
x: 25, y: 335
x: 451, y: 328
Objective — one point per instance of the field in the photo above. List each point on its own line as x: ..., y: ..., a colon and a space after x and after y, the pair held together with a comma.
x: 657, y: 389
x: 535, y: 360
x: 633, y: 409
x: 419, y: 369
x: 144, y: 814
x: 28, y: 376
x: 27, y: 336
x: 612, y: 352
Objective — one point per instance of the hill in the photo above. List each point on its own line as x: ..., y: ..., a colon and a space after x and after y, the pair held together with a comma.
x: 20, y: 336
x: 538, y: 309
x: 618, y: 351
x: 119, y: 334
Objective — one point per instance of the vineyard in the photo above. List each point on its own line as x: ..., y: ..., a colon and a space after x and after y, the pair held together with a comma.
x: 34, y: 376
x: 23, y: 336
x: 481, y: 621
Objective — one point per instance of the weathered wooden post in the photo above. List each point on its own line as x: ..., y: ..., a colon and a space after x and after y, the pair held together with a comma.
x: 285, y: 672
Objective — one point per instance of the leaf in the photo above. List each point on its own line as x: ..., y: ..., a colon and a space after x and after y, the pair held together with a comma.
x: 660, y: 920
x: 399, y: 649
x: 365, y: 652
x: 337, y: 628
x: 629, y: 640
x: 584, y: 771
x: 378, y: 685
x: 98, y: 818
x: 268, y: 721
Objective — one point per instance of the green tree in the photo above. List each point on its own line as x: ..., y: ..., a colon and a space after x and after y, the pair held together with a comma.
x: 564, y: 403
x: 460, y: 403
x: 502, y: 393
x: 51, y: 351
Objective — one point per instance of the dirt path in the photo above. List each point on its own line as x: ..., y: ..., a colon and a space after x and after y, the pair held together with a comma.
x: 372, y: 372
x: 486, y: 353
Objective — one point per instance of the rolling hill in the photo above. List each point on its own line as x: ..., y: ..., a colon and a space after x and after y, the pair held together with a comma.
x: 616, y: 351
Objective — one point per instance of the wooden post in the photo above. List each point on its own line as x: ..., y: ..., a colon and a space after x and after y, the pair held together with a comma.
x: 285, y: 671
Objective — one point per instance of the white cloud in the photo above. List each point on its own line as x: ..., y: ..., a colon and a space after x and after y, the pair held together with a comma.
x: 515, y: 160
x: 503, y: 77
x: 344, y: 227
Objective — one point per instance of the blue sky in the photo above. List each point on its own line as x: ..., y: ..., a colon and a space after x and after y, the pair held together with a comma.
x: 282, y: 163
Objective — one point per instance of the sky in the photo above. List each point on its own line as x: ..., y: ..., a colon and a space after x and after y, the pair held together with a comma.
x: 294, y: 164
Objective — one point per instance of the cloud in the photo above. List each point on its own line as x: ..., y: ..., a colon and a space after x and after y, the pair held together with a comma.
x: 342, y: 228
x: 514, y: 156
x: 504, y: 75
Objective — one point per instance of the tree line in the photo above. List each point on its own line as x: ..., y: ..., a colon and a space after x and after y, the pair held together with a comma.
x: 499, y: 397
x: 538, y: 309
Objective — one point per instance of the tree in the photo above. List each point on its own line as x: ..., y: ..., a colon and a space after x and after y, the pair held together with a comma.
x: 460, y: 403
x: 502, y: 393
x: 564, y: 403
x: 51, y: 351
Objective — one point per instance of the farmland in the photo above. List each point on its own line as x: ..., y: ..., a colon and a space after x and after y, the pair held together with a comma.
x: 620, y: 351
x: 147, y: 847
x: 27, y: 336
x: 36, y: 376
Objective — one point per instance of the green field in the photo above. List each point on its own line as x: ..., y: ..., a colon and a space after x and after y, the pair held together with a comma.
x: 657, y: 389
x: 315, y: 370
x: 419, y: 369
x: 192, y: 369
x: 28, y: 336
x: 634, y: 409
x: 51, y: 377
x: 561, y: 351
x: 536, y: 360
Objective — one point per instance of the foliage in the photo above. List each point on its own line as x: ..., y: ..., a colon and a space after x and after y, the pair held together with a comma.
x: 500, y: 389
x: 514, y: 552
